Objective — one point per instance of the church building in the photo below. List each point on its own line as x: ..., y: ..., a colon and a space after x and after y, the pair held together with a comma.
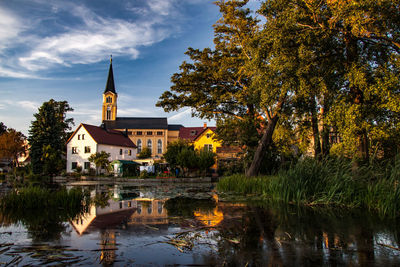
x: 154, y: 133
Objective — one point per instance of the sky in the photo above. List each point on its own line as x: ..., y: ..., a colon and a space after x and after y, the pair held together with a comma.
x: 61, y: 50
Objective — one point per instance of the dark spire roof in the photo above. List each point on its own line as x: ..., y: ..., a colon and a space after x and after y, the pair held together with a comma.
x: 110, y: 87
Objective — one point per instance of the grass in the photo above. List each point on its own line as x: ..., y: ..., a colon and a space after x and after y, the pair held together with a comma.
x: 327, y: 182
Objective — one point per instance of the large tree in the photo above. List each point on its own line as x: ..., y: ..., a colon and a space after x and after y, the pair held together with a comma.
x: 333, y: 63
x: 48, y: 135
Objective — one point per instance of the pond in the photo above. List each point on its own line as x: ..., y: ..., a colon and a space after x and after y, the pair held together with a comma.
x: 189, y: 224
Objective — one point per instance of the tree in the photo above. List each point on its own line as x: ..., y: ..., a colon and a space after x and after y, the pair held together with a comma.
x: 173, y: 149
x: 12, y: 144
x: 3, y: 128
x: 333, y: 63
x: 247, y: 77
x: 48, y: 136
x: 101, y: 160
x: 145, y: 153
x: 206, y: 159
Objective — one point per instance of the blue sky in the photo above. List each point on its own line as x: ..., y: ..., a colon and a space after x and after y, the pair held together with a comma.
x: 61, y: 49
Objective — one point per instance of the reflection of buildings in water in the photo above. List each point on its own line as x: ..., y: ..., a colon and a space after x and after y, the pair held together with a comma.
x: 149, y: 211
x: 209, y: 218
x: 108, y: 247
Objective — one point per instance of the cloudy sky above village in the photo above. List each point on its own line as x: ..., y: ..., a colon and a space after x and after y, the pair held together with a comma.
x: 61, y: 50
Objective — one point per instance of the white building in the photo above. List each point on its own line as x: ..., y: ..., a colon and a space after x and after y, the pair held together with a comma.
x: 88, y: 139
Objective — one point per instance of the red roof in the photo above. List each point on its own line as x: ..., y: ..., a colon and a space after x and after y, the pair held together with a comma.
x: 107, y: 137
x: 191, y: 133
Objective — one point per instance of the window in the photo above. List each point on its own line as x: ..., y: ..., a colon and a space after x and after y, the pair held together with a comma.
x: 149, y: 209
x: 129, y: 132
x: 87, y: 149
x: 79, y: 137
x: 160, y: 207
x: 149, y: 145
x: 159, y: 146
x: 108, y: 117
x: 87, y: 165
x: 83, y: 137
x: 109, y: 99
x: 208, y: 147
x: 130, y: 152
x: 139, y: 133
x: 139, y: 146
x: 193, y: 132
x: 159, y: 133
x: 74, y: 150
x: 74, y: 165
x: 120, y: 151
x: 149, y: 133
x: 208, y: 135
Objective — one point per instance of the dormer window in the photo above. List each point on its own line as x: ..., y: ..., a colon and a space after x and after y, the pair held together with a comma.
x: 193, y: 132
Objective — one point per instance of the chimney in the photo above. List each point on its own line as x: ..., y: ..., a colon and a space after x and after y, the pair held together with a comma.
x: 205, y: 125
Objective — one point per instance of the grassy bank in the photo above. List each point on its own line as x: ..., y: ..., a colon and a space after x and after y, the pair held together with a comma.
x: 328, y: 182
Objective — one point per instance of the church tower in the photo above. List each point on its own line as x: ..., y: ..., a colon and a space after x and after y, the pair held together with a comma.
x: 109, y: 110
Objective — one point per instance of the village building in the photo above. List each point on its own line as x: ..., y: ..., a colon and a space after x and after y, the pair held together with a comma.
x: 89, y: 139
x: 153, y: 133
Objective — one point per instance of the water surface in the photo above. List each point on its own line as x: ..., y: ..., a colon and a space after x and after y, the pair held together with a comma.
x: 188, y: 224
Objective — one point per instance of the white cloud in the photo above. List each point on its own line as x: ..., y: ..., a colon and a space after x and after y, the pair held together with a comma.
x: 28, y: 105
x: 180, y: 116
x: 10, y: 26
x: 133, y: 112
x: 89, y: 40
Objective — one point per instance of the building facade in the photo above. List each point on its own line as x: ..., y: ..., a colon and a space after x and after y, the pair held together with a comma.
x: 88, y: 139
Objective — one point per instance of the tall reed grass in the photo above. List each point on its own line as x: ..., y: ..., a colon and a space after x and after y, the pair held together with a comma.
x: 327, y: 182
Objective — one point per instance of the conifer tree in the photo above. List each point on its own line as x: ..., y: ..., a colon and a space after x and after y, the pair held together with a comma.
x: 47, y: 137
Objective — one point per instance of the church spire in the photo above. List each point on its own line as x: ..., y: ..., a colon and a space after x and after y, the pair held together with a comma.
x: 110, y: 87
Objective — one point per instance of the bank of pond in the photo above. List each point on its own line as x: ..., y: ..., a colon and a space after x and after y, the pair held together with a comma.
x: 332, y: 182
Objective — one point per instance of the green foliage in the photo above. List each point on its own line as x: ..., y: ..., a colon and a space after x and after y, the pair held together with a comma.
x: 101, y: 160
x: 205, y: 160
x: 145, y: 153
x: 333, y: 64
x: 327, y: 182
x: 48, y: 136
x: 144, y: 174
x: 173, y: 149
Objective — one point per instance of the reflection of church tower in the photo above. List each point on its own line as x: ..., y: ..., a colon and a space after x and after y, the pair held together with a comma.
x: 109, y: 110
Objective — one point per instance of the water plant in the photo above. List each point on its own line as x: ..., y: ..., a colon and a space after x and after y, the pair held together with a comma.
x: 327, y: 182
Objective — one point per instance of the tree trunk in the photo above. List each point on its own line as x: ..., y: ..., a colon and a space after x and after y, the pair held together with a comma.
x: 263, y: 144
x: 325, y: 145
x: 314, y: 124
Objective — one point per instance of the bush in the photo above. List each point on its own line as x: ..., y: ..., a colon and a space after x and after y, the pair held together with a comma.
x: 144, y: 174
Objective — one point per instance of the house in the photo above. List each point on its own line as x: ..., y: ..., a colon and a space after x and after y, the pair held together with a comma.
x: 89, y: 139
x: 200, y: 137
x: 154, y: 133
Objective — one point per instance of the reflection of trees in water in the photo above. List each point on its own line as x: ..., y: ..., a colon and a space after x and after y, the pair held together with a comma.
x: 294, y: 236
x: 43, y: 212
x: 185, y: 206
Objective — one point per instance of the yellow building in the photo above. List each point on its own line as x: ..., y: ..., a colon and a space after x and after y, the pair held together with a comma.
x: 154, y: 133
x: 200, y: 137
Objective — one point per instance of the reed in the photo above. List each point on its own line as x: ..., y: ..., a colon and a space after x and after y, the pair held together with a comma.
x: 327, y: 182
